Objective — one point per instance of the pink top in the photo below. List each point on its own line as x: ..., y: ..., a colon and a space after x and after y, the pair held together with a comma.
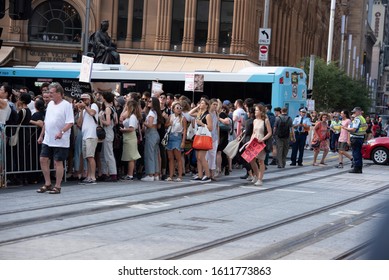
x: 344, y: 133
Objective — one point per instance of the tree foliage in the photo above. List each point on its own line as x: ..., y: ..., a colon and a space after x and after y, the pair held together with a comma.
x: 334, y: 90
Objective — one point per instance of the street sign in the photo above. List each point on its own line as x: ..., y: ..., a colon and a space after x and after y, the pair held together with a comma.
x: 264, y: 36
x: 263, y: 53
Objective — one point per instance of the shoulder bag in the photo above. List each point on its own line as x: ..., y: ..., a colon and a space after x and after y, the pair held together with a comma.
x: 100, y: 132
x: 13, y: 141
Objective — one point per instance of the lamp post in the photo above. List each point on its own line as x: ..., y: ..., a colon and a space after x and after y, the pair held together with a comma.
x: 331, y: 31
x: 86, y: 30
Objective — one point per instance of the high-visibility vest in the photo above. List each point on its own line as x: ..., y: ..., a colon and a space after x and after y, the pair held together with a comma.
x: 361, y: 130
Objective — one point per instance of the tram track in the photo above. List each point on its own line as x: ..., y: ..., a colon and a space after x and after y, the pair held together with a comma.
x: 263, y: 228
x: 215, y: 243
x: 165, y: 198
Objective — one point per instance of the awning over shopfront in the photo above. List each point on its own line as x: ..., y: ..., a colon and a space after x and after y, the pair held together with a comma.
x: 6, y: 55
x: 137, y: 62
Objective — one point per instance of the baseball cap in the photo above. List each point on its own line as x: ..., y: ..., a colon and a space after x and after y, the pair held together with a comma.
x: 226, y: 102
x: 85, y: 96
x: 356, y: 109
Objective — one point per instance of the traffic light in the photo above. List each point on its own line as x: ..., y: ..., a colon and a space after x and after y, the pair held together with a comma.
x: 2, y: 8
x: 20, y: 9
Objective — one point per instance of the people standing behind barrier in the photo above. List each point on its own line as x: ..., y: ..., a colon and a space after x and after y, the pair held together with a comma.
x: 301, y: 126
x: 321, y: 134
x: 248, y: 132
x: 5, y: 111
x: 313, y: 117
x: 225, y: 127
x: 88, y: 122
x: 55, y: 137
x: 165, y: 111
x: 37, y: 120
x: 283, y: 128
x: 261, y: 120
x: 369, y: 133
x: 376, y: 129
x: 177, y: 126
x: 131, y: 116
x: 335, y: 127
x: 203, y: 118
x: 277, y: 113
x: 211, y: 154
x: 344, y: 139
x: 152, y: 141
x: 357, y: 131
x: 239, y: 116
x: 108, y: 119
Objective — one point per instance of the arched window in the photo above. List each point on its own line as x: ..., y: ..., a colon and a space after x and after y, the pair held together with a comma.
x: 56, y: 21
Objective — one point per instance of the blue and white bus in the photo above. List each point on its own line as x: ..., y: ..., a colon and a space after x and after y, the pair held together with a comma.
x: 278, y: 86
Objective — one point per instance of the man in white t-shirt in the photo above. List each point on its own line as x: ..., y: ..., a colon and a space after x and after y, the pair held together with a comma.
x: 239, y: 116
x: 55, y: 138
x: 88, y: 123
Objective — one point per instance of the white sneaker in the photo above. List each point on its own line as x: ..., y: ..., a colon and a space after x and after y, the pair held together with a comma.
x: 258, y: 183
x: 249, y: 178
x: 147, y: 179
x: 254, y: 179
x: 156, y: 178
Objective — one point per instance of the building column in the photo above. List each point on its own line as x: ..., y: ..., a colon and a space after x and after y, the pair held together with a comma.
x: 213, y: 27
x: 164, y: 14
x: 114, y: 22
x: 237, y: 27
x: 144, y: 25
x: 128, y: 43
x: 189, y: 26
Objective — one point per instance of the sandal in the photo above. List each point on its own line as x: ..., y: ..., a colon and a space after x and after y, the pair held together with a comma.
x: 55, y: 190
x: 315, y: 164
x: 44, y: 189
x: 168, y: 179
x: 178, y: 180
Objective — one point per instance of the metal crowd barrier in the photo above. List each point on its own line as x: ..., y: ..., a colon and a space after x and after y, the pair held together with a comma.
x: 22, y: 159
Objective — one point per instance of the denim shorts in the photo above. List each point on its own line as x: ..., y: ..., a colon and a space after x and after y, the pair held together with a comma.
x: 174, y: 142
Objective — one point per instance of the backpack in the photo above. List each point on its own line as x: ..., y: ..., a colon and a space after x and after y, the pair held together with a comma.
x: 283, y: 130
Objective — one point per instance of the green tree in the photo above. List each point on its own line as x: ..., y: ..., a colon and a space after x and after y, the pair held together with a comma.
x: 334, y: 90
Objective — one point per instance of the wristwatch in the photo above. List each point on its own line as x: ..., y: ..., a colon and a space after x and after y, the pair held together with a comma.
x: 63, y: 132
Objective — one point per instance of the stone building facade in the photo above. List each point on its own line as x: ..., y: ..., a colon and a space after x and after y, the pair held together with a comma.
x: 188, y: 28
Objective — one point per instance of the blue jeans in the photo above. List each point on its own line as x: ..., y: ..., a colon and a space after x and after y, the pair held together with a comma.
x: 356, y: 145
x: 151, y: 151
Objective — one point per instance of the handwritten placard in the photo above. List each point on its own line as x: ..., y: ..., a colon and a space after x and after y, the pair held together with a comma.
x: 253, y: 149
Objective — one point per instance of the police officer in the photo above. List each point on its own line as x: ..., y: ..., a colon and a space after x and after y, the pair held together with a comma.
x: 357, y: 131
x: 301, y: 126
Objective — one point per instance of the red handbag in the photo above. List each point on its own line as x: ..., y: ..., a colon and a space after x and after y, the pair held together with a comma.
x: 202, y: 139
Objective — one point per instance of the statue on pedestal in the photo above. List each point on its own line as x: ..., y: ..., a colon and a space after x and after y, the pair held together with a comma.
x: 102, y: 46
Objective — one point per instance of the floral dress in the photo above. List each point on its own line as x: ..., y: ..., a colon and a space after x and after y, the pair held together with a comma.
x: 321, y: 134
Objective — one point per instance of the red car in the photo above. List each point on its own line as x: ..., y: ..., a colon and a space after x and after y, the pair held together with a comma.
x: 377, y: 150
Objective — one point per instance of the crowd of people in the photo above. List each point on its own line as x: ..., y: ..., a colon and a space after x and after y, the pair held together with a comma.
x: 149, y: 137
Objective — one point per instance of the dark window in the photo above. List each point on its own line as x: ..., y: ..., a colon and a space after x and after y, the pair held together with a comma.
x: 226, y: 16
x: 122, y: 19
x: 202, y: 22
x: 177, y: 31
x: 56, y: 21
x: 137, y: 20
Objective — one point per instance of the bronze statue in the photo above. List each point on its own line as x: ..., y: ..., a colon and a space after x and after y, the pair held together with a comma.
x: 102, y: 46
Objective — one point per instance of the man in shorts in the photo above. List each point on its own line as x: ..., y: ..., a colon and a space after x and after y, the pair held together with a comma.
x: 55, y: 138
